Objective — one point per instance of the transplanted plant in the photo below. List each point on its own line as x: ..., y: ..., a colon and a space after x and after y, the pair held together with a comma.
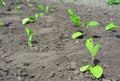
x: 95, y: 70
x: 30, y: 19
x: 90, y: 24
x: 43, y: 8
x: 113, y: 1
x: 17, y: 8
x: 30, y: 34
x: 74, y: 18
x: 111, y: 26
x: 2, y: 3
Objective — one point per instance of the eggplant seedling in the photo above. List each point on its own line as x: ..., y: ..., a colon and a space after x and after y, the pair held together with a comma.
x: 76, y: 35
x: 30, y: 34
x: 43, y: 8
x: 75, y: 19
x: 39, y: 14
x: 17, y: 8
x: 111, y: 26
x: 31, y: 19
x: 113, y: 1
x: 90, y: 24
x: 2, y: 3
x: 95, y: 70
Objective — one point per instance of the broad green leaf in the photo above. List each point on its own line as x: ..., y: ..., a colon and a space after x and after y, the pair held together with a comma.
x: 76, y: 20
x: 89, y: 45
x: 2, y: 3
x: 25, y: 21
x: 111, y: 26
x: 32, y: 18
x: 1, y: 24
x: 93, y: 23
x: 71, y: 12
x: 95, y: 50
x: 17, y: 9
x: 41, y: 7
x: 76, y: 35
x: 30, y: 34
x: 84, y: 68
x: 40, y: 14
x: 113, y: 2
x: 96, y: 71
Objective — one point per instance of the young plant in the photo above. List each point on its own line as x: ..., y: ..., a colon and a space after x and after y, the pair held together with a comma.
x: 1, y: 24
x: 113, y: 1
x: 31, y: 19
x: 75, y: 19
x: 111, y: 26
x: 90, y: 24
x: 2, y: 3
x: 43, y: 8
x: 76, y: 35
x: 17, y: 8
x: 30, y: 34
x: 95, y: 70
x: 39, y: 14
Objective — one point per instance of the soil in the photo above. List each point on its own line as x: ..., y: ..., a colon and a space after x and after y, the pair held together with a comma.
x: 55, y: 56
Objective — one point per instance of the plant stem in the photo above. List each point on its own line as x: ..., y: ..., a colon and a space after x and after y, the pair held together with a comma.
x: 93, y: 61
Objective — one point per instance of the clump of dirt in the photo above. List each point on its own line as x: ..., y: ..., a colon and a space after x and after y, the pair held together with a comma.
x: 55, y: 56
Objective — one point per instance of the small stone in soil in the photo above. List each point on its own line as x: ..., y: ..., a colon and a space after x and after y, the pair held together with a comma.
x: 26, y: 64
x: 52, y: 74
x: 106, y: 80
x: 71, y: 66
x: 76, y: 72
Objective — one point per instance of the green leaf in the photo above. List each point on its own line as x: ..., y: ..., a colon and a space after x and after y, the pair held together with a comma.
x: 41, y: 7
x: 96, y: 71
x: 76, y: 35
x: 93, y: 23
x: 27, y: 20
x: 17, y: 9
x: 76, y: 20
x: 89, y: 45
x: 40, y: 14
x: 111, y: 26
x: 71, y: 12
x: 95, y: 50
x: 1, y: 24
x: 113, y: 2
x: 30, y: 34
x: 85, y: 68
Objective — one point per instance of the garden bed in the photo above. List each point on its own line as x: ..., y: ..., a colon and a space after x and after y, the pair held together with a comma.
x: 55, y: 56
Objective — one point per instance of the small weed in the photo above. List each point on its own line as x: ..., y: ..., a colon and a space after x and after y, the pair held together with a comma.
x: 95, y: 70
x: 75, y: 19
x: 30, y: 34
x: 90, y: 24
x: 111, y: 26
